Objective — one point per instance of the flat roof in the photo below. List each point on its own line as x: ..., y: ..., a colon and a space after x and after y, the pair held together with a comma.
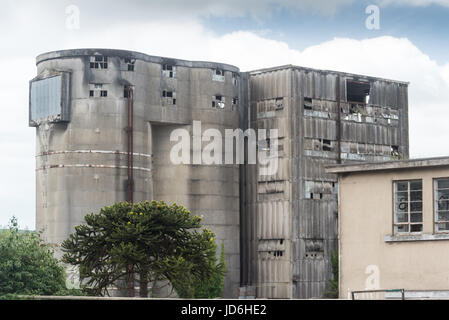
x: 345, y: 74
x: 388, y: 165
x: 73, y: 53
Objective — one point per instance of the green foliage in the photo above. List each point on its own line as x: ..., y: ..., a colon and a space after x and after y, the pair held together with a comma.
x: 212, y: 287
x: 201, y: 287
x: 154, y: 240
x: 27, y: 265
x: 332, y: 291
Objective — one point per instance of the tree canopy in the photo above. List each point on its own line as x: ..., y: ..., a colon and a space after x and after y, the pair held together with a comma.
x: 151, y: 240
x: 27, y: 264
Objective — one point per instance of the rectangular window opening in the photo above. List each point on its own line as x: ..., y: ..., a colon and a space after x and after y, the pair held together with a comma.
x: 408, y: 206
x: 98, y: 62
x: 218, y: 101
x: 441, y: 206
x: 168, y: 71
x: 358, y: 91
x: 307, y: 103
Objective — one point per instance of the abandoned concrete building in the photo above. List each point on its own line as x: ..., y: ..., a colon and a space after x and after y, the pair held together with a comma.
x: 103, y: 121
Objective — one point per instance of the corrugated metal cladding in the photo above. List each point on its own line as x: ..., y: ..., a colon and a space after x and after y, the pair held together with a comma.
x: 295, y: 210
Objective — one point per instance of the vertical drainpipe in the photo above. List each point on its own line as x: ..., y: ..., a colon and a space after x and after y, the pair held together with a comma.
x: 130, y: 145
x: 130, y: 167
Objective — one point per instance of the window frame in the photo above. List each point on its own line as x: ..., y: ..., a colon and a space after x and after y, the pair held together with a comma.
x: 409, y: 223
x: 435, y: 205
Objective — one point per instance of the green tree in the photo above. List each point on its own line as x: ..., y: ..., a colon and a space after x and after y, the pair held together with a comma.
x: 152, y: 240
x: 332, y: 291
x: 27, y: 264
x: 212, y: 287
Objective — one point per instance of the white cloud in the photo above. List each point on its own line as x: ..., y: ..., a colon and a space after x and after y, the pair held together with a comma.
x: 387, y: 57
x: 188, y: 39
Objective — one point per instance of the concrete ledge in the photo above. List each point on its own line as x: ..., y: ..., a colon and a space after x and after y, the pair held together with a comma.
x: 388, y: 165
x: 418, y: 237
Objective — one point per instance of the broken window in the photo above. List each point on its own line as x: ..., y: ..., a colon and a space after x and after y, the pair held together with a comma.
x: 314, y: 248
x: 234, y: 78
x: 357, y: 91
x: 167, y: 94
x: 98, y: 62
x: 169, y: 97
x: 279, y: 102
x: 327, y: 145
x: 218, y: 75
x: 49, y: 99
x: 307, y: 103
x: 169, y: 71
x: 130, y: 64
x: 395, y: 151
x: 441, y: 207
x: 97, y: 90
x: 235, y: 102
x: 408, y: 206
x: 128, y: 91
x: 218, y: 101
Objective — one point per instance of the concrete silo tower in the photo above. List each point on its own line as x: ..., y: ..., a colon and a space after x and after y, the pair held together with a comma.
x: 103, y: 121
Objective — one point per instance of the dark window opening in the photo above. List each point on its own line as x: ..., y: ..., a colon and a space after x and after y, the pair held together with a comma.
x: 168, y: 70
x: 174, y: 101
x: 130, y: 64
x: 326, y: 145
x: 307, y: 103
x: 234, y: 78
x: 167, y: 94
x: 103, y: 93
x: 276, y: 253
x: 395, y: 151
x: 91, y: 93
x: 219, y: 72
x: 353, y: 108
x: 127, y: 91
x: 99, y: 62
x: 357, y: 91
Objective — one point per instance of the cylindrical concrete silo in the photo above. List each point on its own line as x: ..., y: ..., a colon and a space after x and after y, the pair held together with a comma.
x: 103, y: 121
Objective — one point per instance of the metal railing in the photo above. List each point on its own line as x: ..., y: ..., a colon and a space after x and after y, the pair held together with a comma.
x: 377, y: 294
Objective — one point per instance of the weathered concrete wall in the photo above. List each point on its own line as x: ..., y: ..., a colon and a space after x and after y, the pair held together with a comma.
x: 82, y: 165
x: 317, y: 126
